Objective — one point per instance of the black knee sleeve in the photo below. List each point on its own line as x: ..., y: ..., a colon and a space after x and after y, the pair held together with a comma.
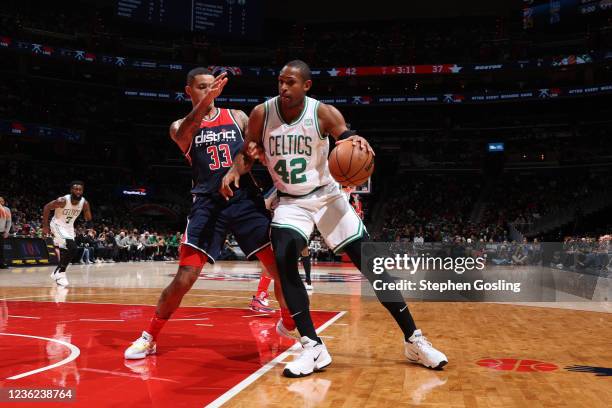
x: 392, y: 300
x: 353, y: 250
x: 288, y: 245
x: 66, y: 254
x: 64, y: 260
x: 306, y: 265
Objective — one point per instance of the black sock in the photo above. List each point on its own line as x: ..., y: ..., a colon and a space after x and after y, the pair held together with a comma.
x: 392, y: 300
x: 288, y: 245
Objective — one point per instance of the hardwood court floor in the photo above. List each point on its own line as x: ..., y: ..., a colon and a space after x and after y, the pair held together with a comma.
x: 500, y: 355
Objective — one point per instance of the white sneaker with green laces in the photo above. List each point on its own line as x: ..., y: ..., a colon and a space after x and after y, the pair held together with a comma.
x: 141, y: 348
x: 420, y: 351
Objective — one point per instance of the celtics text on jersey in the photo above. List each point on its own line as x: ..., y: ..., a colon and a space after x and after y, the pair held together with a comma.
x: 296, y: 153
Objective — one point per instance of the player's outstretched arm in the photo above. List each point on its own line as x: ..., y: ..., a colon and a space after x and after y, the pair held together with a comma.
x: 332, y: 122
x: 252, y: 150
x: 182, y: 130
x: 51, y: 205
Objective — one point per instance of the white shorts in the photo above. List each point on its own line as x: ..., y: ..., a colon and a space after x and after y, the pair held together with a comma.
x: 328, y: 208
x: 61, y: 233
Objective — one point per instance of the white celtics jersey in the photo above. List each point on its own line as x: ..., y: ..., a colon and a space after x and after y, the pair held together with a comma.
x: 65, y: 216
x: 296, y: 152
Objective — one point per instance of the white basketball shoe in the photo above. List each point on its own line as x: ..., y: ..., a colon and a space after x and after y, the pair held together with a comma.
x: 60, y: 278
x: 420, y: 351
x: 141, y: 348
x: 314, y: 357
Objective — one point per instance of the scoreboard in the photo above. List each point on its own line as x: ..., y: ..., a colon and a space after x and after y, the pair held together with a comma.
x: 240, y: 19
x: 542, y: 13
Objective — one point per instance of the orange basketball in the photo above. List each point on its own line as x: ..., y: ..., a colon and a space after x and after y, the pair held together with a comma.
x: 350, y: 165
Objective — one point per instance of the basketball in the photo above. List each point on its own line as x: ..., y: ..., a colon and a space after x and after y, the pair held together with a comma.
x: 350, y: 165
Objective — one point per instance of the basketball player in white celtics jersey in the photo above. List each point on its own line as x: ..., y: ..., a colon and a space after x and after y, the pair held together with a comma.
x: 66, y: 210
x: 288, y: 134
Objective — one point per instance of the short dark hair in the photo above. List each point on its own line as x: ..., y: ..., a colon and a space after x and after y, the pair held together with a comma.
x: 195, y: 72
x: 302, y: 67
x: 77, y: 183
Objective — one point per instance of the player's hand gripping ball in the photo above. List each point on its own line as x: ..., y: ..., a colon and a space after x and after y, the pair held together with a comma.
x: 351, y: 162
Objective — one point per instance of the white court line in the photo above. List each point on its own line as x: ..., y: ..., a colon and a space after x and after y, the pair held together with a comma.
x: 101, y: 320
x: 24, y: 317
x: 226, y: 296
x: 74, y: 353
x: 142, y: 304
x: 204, y: 304
x: 202, y: 324
x: 198, y: 314
x: 257, y: 315
x: 145, y: 304
x: 71, y: 294
x: 26, y: 297
x: 257, y: 374
x: 95, y: 370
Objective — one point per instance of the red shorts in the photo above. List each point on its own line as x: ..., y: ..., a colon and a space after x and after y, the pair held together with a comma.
x: 189, y: 256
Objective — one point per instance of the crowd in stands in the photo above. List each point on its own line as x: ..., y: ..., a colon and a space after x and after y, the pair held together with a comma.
x: 525, y: 198
x: 585, y: 253
x: 125, y: 245
x: 441, y: 208
x: 491, y: 39
x: 398, y: 42
x: 435, y: 208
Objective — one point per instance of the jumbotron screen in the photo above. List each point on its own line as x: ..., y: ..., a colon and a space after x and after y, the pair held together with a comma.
x: 238, y: 19
x: 541, y: 13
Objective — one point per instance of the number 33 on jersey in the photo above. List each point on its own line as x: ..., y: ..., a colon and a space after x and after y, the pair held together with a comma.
x: 212, y: 148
